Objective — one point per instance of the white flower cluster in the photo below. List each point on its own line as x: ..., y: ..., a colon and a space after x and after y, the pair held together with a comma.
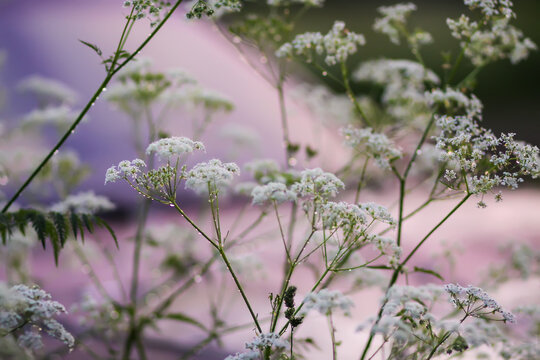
x: 327, y: 106
x: 241, y: 135
x: 100, y: 315
x: 197, y: 96
x: 139, y: 84
x: 228, y: 5
x: 414, y: 299
x: 484, y: 44
x: 456, y: 102
x: 61, y: 116
x: 249, y: 265
x: 342, y: 214
x: 388, y: 247
x: 272, y: 192
x: 288, y: 2
x: 470, y: 147
x: 404, y: 85
x: 211, y: 176
x: 315, y: 183
x: 378, y: 212
x: 26, y: 311
x: 492, y: 7
x: 147, y: 9
x: 172, y: 147
x: 48, y: 90
x: 469, y: 298
x: 337, y: 45
x: 523, y: 351
x: 326, y: 301
x: 393, y: 23
x: 375, y: 145
x: 125, y: 169
x: 258, y: 345
x: 265, y: 171
x: 84, y: 203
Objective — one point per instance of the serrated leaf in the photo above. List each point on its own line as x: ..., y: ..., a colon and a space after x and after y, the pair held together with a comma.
x: 93, y: 47
x: 61, y: 226
x: 87, y: 220
x: 39, y: 223
x: 184, y: 318
x: 102, y: 223
x: 74, y: 223
x: 428, y: 271
x: 53, y: 236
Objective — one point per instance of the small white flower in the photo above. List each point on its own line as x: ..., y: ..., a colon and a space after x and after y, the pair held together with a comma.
x: 85, y: 203
x: 337, y: 45
x: 213, y: 174
x: 48, y: 90
x: 317, y: 183
x: 174, y: 146
x: 273, y: 191
x: 394, y: 18
x: 125, y: 169
x: 375, y: 145
x: 326, y: 301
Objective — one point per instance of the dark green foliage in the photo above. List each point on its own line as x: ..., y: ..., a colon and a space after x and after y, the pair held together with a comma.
x: 50, y: 226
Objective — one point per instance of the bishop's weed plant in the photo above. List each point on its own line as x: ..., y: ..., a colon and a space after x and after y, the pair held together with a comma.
x: 420, y: 128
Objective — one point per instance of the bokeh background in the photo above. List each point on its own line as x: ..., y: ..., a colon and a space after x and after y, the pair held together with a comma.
x: 41, y: 37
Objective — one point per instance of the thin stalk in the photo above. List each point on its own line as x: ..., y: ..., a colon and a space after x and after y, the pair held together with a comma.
x: 469, y: 77
x: 350, y: 93
x: 221, y: 252
x: 332, y: 336
x: 284, y: 123
x: 289, y: 260
x: 240, y: 288
x: 85, y: 110
x: 361, y: 182
x: 396, y: 273
x: 435, y: 228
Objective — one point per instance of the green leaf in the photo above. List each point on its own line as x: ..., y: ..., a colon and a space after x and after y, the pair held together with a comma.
x: 53, y: 236
x: 39, y: 223
x: 430, y: 272
x: 88, y: 223
x: 51, y: 226
x: 93, y: 47
x: 184, y: 318
x: 100, y: 222
x: 61, y: 226
x: 74, y: 222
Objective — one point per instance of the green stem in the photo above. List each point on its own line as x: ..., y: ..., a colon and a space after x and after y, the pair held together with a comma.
x: 332, y: 336
x: 435, y: 228
x: 350, y: 93
x: 284, y: 123
x: 396, y: 273
x: 221, y: 252
x: 361, y: 182
x: 240, y: 288
x: 85, y: 110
